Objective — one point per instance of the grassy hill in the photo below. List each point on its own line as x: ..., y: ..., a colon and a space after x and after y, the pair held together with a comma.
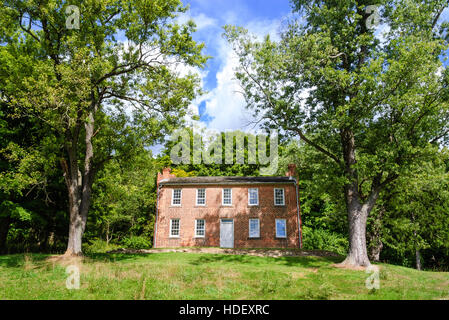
x: 210, y: 276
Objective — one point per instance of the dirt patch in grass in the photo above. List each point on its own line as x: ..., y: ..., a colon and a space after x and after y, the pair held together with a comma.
x: 249, y: 252
x: 348, y: 267
x: 297, y: 275
x: 65, y: 261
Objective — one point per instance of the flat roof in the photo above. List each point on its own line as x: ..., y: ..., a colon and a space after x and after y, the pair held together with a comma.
x: 226, y: 180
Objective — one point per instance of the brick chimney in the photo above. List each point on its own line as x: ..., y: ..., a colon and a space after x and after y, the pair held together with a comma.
x: 291, y: 171
x: 165, y: 175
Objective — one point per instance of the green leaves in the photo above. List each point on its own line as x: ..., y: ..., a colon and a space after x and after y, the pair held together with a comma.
x: 124, y: 198
x: 332, y: 74
x: 106, y: 90
x: 15, y: 211
x: 416, y: 215
x: 374, y: 104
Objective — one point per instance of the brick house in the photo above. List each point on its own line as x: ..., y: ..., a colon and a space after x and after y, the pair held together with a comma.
x: 228, y: 212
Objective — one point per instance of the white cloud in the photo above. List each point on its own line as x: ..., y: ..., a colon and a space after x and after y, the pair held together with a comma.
x: 225, y: 103
x: 201, y: 20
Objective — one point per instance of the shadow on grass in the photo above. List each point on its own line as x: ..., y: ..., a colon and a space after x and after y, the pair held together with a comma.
x: 306, y: 262
x: 19, y: 260
x: 113, y: 257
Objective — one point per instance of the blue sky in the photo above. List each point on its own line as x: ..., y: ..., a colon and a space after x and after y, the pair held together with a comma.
x: 222, y: 108
x: 212, y: 15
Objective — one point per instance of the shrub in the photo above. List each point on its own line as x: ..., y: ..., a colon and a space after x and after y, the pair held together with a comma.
x: 136, y: 242
x: 98, y: 246
x: 319, y: 239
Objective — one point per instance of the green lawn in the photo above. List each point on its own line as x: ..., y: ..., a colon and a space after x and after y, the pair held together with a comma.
x: 211, y: 276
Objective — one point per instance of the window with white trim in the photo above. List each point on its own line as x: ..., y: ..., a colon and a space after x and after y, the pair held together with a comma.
x: 200, y: 197
x: 281, y: 228
x: 279, y: 197
x: 253, y: 196
x: 200, y: 228
x: 227, y: 197
x: 176, y: 197
x: 174, y: 228
x: 254, y: 228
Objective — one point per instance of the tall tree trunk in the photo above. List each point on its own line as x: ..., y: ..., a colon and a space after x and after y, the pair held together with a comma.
x: 76, y: 230
x: 417, y: 251
x: 79, y: 184
x: 76, y: 227
x: 418, y: 260
x: 108, y: 239
x: 357, y: 211
x: 357, y: 216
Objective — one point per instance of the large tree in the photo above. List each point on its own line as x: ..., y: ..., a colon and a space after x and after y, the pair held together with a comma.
x: 374, y: 103
x: 99, y: 96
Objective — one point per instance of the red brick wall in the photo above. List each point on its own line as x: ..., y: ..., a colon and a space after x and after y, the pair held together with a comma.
x: 240, y: 212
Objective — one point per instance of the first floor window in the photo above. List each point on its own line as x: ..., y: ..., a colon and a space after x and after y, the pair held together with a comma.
x: 253, y: 196
x: 174, y: 228
x: 200, y: 197
x: 176, y: 198
x: 279, y: 199
x: 200, y: 228
x: 254, y: 228
x: 281, y: 228
x: 227, y: 197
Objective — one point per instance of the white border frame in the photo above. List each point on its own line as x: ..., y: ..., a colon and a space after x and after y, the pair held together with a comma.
x: 173, y: 197
x: 283, y: 197
x: 249, y: 228
x: 222, y: 197
x: 249, y: 204
x: 205, y: 198
x: 179, y: 228
x: 276, y: 227
x: 196, y: 235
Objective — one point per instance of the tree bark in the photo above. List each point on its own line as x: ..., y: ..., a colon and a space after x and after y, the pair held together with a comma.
x: 357, y: 216
x: 357, y: 211
x: 417, y: 251
x: 79, y: 184
x: 418, y: 260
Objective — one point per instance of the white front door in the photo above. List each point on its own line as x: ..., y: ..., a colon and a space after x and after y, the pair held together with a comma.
x: 227, y: 233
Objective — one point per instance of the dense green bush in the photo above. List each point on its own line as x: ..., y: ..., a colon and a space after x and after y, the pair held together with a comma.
x: 319, y: 239
x: 98, y: 246
x: 136, y: 242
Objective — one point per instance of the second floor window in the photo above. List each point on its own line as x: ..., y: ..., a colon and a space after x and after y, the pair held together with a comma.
x: 279, y: 199
x: 200, y: 197
x: 176, y: 198
x: 227, y: 197
x: 253, y: 196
